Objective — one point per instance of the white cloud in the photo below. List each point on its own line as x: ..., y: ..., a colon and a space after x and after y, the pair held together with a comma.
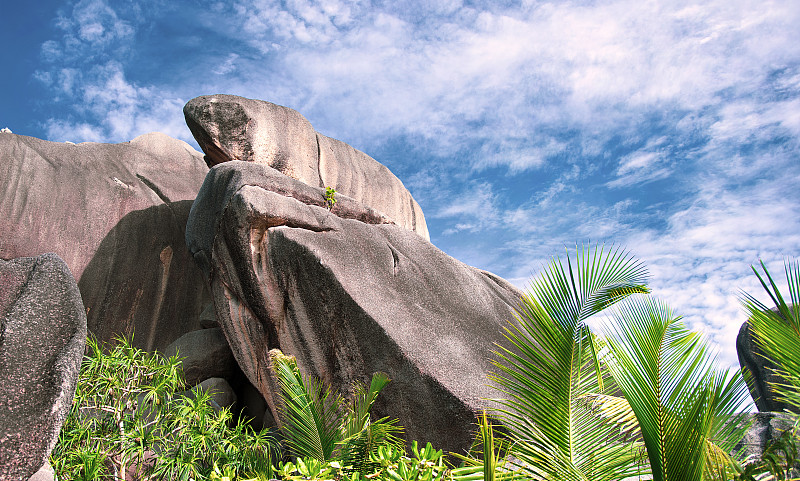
x: 120, y: 109
x: 228, y: 66
x: 639, y: 168
x: 514, y: 71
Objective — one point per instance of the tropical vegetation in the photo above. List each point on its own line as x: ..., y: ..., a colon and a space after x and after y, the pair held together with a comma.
x: 597, y: 380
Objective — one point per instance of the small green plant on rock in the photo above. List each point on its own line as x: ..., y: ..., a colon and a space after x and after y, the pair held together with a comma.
x: 330, y: 197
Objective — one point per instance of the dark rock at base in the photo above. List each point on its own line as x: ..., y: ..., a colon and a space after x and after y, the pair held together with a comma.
x: 766, y: 427
x: 348, y: 297
x: 205, y: 354
x: 220, y: 391
x: 42, y: 338
x: 761, y: 372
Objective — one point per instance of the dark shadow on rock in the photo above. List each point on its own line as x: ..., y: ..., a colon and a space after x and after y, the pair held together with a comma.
x: 142, y: 280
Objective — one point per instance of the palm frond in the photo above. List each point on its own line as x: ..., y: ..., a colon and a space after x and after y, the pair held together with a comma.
x: 668, y: 377
x: 776, y: 330
x: 550, y: 358
x: 361, y: 437
x: 357, y: 416
x: 309, y: 413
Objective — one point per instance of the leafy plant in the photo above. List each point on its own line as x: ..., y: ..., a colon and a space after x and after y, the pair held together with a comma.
x: 130, y: 415
x: 330, y: 197
x: 564, y: 409
x: 682, y: 403
x: 551, y: 365
x: 776, y: 332
x: 323, y: 426
x: 488, y: 457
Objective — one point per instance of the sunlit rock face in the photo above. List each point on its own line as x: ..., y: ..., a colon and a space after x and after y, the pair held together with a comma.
x: 348, y: 292
x: 228, y: 128
x: 116, y: 214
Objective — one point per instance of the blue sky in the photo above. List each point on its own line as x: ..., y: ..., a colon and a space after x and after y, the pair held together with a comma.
x: 668, y: 127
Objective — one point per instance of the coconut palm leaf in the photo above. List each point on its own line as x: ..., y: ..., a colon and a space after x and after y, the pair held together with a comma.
x: 550, y: 361
x: 361, y: 437
x: 357, y: 417
x: 310, y: 412
x: 680, y: 400
x: 777, y: 330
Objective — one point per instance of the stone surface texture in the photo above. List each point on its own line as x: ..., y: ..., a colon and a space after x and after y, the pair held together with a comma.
x: 45, y: 473
x: 220, y: 390
x: 765, y: 427
x: 347, y: 294
x: 205, y: 354
x: 752, y: 360
x: 42, y: 338
x: 116, y: 214
x: 228, y: 128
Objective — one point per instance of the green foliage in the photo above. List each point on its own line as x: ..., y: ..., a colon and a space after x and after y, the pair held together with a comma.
x: 681, y: 401
x: 564, y: 411
x: 776, y: 331
x: 488, y: 459
x: 129, y: 414
x: 323, y: 426
x: 550, y: 367
x: 330, y: 197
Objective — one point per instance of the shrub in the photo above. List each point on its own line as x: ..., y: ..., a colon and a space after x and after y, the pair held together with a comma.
x: 131, y: 416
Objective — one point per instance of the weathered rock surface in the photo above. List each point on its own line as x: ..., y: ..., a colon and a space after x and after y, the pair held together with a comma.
x: 142, y: 279
x: 45, y: 473
x: 205, y: 354
x: 42, y: 337
x: 116, y: 214
x: 751, y: 358
x: 347, y: 296
x: 228, y: 127
x: 765, y: 427
x: 220, y: 391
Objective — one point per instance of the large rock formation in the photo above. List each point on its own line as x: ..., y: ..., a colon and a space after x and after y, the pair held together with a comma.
x: 42, y: 337
x: 348, y: 294
x: 116, y: 214
x: 228, y: 127
x: 761, y: 372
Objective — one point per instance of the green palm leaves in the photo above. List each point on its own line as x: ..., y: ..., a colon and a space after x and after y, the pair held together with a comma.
x: 563, y: 384
x: 551, y: 364
x: 680, y: 399
x: 321, y: 425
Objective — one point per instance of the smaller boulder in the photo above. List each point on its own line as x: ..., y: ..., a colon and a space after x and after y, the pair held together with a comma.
x: 220, y: 390
x: 765, y: 428
x: 205, y: 354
